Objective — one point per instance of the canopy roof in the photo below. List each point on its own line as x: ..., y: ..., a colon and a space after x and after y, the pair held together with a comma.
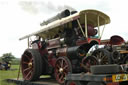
x: 50, y: 30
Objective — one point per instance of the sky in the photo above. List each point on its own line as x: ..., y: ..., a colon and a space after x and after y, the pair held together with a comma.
x: 22, y: 17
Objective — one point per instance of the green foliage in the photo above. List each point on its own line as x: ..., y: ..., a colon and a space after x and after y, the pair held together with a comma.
x: 0, y: 59
x: 7, y: 57
x: 15, y: 61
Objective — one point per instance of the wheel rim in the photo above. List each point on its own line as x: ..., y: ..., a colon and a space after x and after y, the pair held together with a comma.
x: 88, y: 62
x: 62, y: 68
x: 27, y: 65
x: 101, y: 57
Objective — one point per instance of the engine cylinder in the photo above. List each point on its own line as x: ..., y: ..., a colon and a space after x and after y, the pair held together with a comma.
x: 72, y: 52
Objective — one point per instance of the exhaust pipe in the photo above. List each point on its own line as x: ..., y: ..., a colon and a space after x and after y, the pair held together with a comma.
x: 61, y: 15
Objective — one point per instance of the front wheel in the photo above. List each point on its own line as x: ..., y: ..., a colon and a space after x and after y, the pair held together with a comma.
x: 62, y: 67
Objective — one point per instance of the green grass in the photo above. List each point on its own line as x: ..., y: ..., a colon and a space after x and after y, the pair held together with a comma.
x: 9, y: 74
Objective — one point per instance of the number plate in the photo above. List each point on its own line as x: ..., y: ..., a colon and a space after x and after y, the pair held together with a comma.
x: 120, y: 77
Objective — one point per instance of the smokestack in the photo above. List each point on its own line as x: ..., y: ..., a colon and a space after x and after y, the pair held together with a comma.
x: 60, y: 15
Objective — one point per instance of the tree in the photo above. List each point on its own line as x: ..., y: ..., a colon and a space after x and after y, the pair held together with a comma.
x: 0, y: 59
x: 7, y: 57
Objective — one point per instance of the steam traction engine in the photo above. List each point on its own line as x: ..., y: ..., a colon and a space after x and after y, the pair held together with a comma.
x: 62, y: 45
x: 117, y: 48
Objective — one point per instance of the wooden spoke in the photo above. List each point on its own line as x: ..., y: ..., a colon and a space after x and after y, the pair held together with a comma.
x: 58, y: 66
x: 27, y: 57
x: 26, y: 69
x: 62, y: 63
x: 65, y: 66
x: 61, y: 77
x: 28, y: 74
x: 62, y: 67
x: 58, y: 75
x: 25, y: 62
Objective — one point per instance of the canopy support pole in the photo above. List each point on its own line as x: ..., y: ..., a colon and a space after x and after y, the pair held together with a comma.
x: 86, y: 33
x: 98, y: 26
x: 103, y: 30
x: 28, y: 42
x: 81, y: 27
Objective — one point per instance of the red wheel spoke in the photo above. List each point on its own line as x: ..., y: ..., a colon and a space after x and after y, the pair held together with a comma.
x: 58, y: 66
x: 27, y: 57
x: 28, y: 74
x: 31, y: 60
x: 57, y: 71
x: 26, y: 69
x: 25, y: 62
x: 65, y: 66
x: 89, y: 61
x: 65, y: 73
x: 62, y: 64
x: 87, y: 64
x: 59, y: 62
x: 60, y: 79
x: 58, y: 75
x: 66, y: 70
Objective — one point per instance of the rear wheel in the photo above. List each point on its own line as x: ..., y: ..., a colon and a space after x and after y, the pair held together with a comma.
x: 62, y: 67
x: 31, y: 64
x: 102, y: 55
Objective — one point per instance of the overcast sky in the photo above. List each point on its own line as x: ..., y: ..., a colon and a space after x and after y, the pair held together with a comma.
x: 21, y: 17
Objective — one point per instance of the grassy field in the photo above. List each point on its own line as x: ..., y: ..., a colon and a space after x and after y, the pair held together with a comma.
x: 13, y: 73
